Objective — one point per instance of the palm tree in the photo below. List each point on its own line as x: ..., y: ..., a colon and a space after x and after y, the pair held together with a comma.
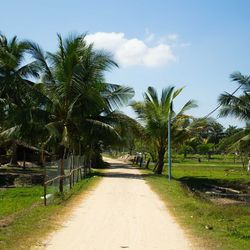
x: 14, y: 72
x: 71, y: 104
x: 206, y: 130
x: 237, y: 106
x: 80, y: 102
x: 154, y: 113
x: 15, y: 87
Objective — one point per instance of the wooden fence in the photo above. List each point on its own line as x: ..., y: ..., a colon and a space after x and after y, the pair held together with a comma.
x: 78, y: 170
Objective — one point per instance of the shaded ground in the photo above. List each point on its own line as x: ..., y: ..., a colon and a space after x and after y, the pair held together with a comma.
x: 19, y: 176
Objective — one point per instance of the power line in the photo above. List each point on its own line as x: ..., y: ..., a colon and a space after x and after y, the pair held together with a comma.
x: 210, y: 113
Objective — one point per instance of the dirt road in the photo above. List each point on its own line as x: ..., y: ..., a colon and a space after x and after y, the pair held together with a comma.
x: 121, y: 213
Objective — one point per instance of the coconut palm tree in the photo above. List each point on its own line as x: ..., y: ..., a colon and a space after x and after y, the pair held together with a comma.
x: 70, y: 104
x: 237, y: 106
x: 16, y: 88
x: 14, y: 72
x: 154, y: 113
x: 80, y: 102
x: 206, y: 130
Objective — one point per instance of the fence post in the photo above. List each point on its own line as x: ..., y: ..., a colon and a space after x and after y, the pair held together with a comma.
x: 84, y: 167
x: 90, y: 162
x: 62, y: 178
x: 141, y: 161
x: 70, y: 169
x: 77, y: 171
x: 81, y: 167
x: 45, y: 194
x: 45, y: 187
x: 73, y: 167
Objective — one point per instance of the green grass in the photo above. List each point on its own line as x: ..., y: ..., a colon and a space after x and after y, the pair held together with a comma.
x: 223, y: 172
x: 14, y: 200
x: 215, y: 226
x: 23, y: 218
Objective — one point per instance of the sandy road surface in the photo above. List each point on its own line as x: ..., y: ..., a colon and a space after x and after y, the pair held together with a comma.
x: 121, y: 213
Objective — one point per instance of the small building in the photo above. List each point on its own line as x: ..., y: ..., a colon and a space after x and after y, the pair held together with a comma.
x: 24, y: 152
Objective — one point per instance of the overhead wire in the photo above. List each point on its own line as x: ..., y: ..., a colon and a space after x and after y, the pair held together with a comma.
x: 211, y: 112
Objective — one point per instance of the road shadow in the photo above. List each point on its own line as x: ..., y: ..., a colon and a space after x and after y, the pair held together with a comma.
x: 120, y: 174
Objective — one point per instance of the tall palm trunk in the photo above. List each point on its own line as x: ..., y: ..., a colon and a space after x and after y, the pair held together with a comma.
x: 161, y: 153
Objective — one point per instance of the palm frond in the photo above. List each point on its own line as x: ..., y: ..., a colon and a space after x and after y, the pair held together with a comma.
x: 9, y: 133
x: 39, y: 55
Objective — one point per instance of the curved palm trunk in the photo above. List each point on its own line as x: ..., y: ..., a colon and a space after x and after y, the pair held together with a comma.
x: 161, y: 153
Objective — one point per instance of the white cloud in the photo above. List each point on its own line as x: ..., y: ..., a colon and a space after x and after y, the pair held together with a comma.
x: 131, y: 52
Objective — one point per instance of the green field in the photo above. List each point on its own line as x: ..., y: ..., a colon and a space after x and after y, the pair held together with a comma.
x: 23, y: 217
x: 213, y: 225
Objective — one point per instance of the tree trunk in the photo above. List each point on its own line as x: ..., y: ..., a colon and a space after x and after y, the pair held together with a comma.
x: 141, y: 162
x: 148, y: 161
x: 13, y: 160
x: 156, y: 165
x: 161, y: 154
x: 209, y: 156
x: 41, y: 158
x: 24, y: 159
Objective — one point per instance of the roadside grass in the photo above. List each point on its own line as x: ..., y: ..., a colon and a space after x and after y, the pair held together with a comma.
x: 25, y: 221
x: 13, y: 200
x: 215, y: 158
x: 213, y: 226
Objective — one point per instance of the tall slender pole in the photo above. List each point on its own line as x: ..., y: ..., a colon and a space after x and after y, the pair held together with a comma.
x: 169, y: 146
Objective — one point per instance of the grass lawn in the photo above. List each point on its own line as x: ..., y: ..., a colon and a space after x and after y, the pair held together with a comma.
x: 14, y: 200
x: 215, y: 226
x: 24, y: 220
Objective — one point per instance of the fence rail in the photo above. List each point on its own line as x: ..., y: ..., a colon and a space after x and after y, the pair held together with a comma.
x: 76, y: 167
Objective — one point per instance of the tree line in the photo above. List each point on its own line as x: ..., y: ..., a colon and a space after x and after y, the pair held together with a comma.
x: 60, y: 102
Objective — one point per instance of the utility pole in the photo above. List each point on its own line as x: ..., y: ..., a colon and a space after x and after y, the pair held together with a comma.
x: 169, y: 145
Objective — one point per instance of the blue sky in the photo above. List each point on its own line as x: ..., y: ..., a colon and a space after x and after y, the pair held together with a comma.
x: 196, y: 44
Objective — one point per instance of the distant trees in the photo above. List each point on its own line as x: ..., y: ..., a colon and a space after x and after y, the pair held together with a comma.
x: 207, y: 130
x: 60, y: 101
x: 206, y: 149
x: 185, y: 150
